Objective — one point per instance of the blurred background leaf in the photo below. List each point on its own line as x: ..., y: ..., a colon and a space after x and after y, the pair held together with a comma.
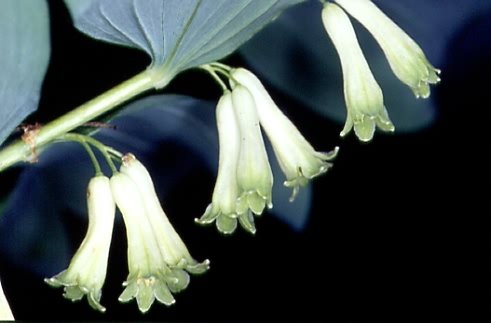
x: 24, y: 57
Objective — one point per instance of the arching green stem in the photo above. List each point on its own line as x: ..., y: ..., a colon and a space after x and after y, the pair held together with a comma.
x: 106, y: 151
x: 213, y: 72
x: 19, y: 151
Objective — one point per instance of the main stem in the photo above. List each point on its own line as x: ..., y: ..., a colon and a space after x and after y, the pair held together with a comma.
x: 19, y: 151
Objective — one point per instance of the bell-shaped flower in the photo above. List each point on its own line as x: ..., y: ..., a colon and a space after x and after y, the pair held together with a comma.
x: 87, y: 270
x: 177, y: 255
x: 158, y: 260
x: 223, y: 207
x: 5, y: 311
x: 406, y: 58
x: 297, y: 158
x: 254, y: 175
x: 364, y: 98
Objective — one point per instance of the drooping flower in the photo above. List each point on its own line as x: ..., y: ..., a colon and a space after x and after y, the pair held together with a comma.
x: 254, y: 175
x: 296, y: 156
x: 363, y: 96
x: 245, y: 180
x: 223, y: 207
x: 406, y: 59
x: 158, y: 260
x: 87, y: 270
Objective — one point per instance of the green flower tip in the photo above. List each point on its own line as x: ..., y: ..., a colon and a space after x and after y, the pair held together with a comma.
x: 253, y: 200
x: 146, y: 290
x: 246, y: 220
x: 422, y: 88
x: 159, y: 285
x: 318, y: 166
x: 365, y: 125
x: 75, y: 292
x: 226, y: 223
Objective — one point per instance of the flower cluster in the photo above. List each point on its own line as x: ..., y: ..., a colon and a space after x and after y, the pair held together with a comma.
x: 158, y: 260
x: 244, y: 179
x: 363, y: 96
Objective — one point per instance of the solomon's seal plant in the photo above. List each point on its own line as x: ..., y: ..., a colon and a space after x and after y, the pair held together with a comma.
x: 179, y: 35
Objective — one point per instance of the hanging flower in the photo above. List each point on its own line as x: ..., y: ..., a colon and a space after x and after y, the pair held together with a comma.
x: 406, y: 58
x: 223, y: 207
x: 87, y: 270
x: 244, y: 180
x: 254, y: 175
x: 364, y: 98
x: 158, y: 260
x: 297, y: 158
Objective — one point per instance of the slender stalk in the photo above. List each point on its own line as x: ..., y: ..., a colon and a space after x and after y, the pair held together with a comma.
x: 97, y: 167
x: 104, y: 150
x: 221, y: 66
x: 215, y: 76
x: 19, y: 151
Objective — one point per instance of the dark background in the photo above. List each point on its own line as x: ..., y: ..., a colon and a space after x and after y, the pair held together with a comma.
x: 398, y: 230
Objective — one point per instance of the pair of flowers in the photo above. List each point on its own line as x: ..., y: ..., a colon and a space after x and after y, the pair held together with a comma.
x: 244, y: 181
x: 363, y: 96
x: 158, y: 260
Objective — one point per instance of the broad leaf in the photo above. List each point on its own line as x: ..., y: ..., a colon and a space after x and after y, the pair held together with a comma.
x: 24, y: 57
x: 178, y: 33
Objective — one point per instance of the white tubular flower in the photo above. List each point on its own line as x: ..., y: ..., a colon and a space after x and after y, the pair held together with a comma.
x: 157, y: 257
x: 254, y: 174
x: 223, y: 207
x: 297, y: 158
x: 177, y: 255
x: 407, y: 60
x: 149, y: 276
x: 364, y: 98
x: 5, y: 311
x: 87, y: 270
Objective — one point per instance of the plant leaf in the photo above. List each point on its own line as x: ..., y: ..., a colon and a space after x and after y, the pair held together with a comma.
x: 24, y: 57
x: 179, y: 33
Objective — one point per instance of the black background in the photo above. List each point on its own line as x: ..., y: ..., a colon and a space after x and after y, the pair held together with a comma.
x: 399, y: 227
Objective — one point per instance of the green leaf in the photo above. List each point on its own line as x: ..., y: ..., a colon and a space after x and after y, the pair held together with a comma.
x: 24, y: 57
x: 177, y: 33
